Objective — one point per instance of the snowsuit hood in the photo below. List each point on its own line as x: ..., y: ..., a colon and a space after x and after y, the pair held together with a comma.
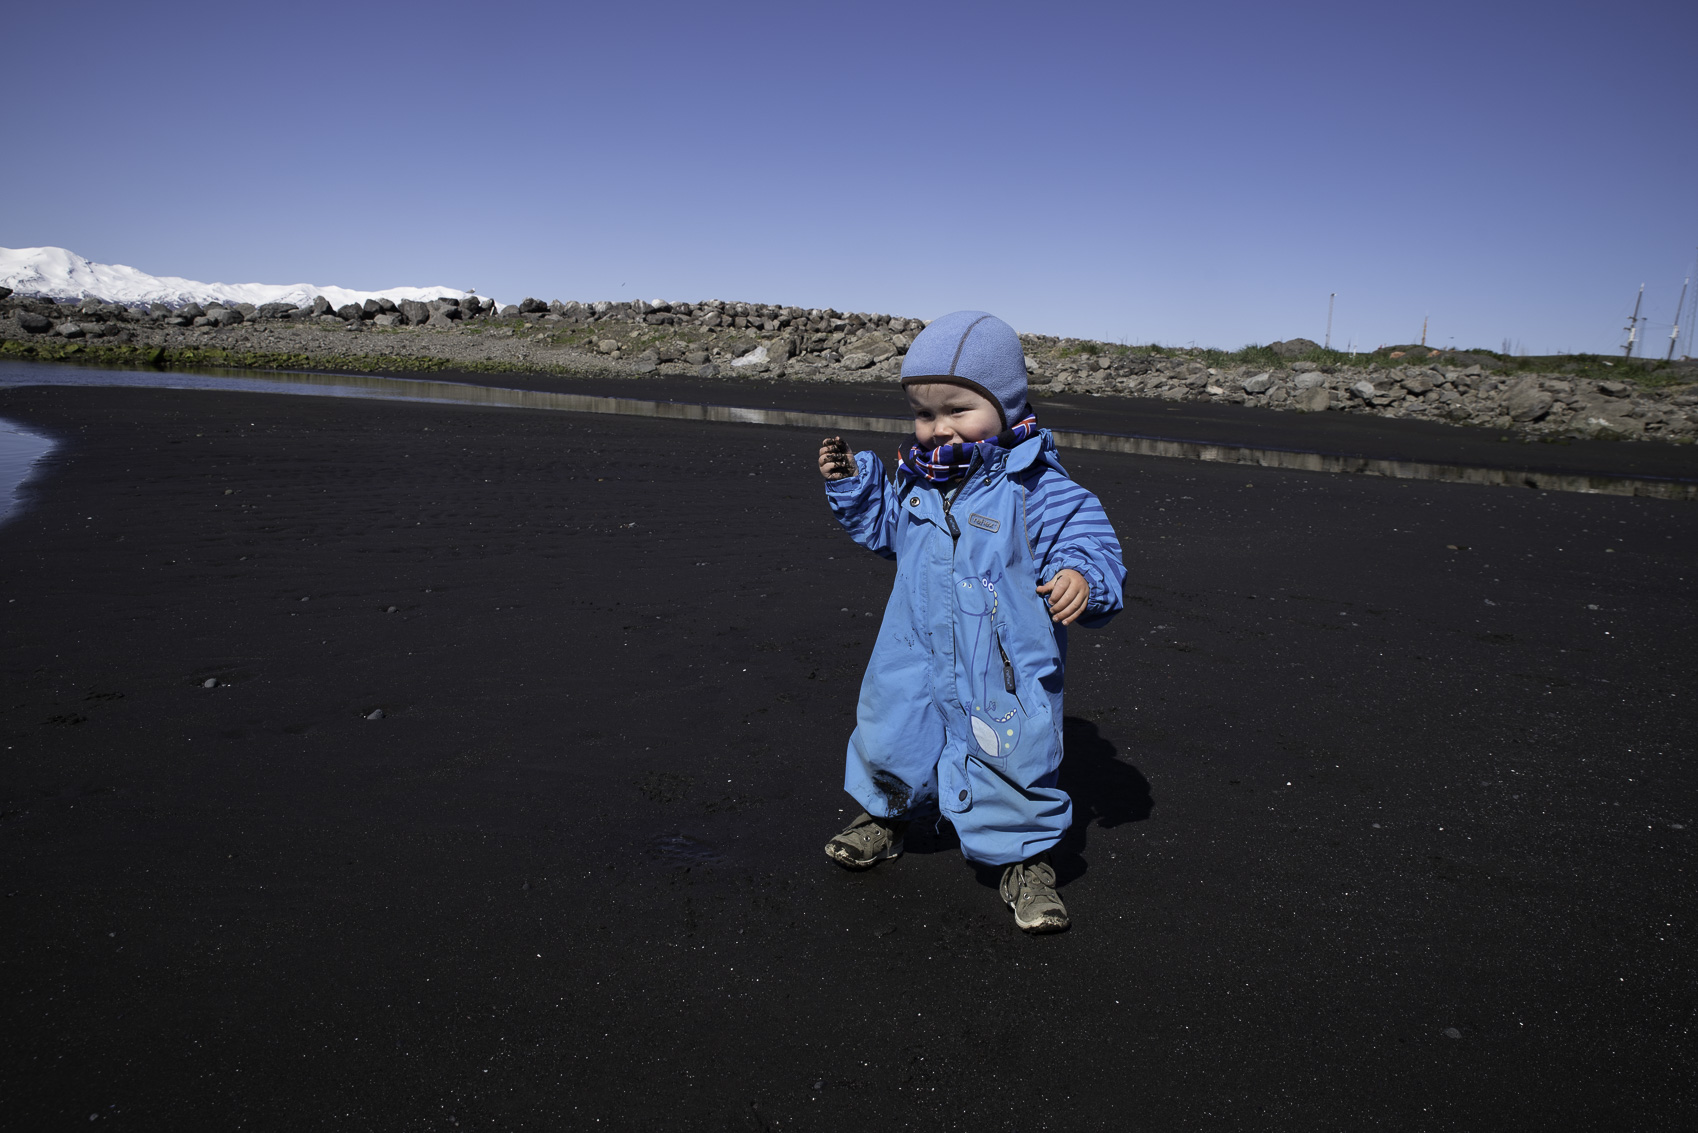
x: 976, y: 350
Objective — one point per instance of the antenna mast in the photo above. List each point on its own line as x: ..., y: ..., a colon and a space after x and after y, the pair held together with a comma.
x: 1632, y: 327
x: 1424, y: 319
x: 1674, y: 335
x: 1334, y: 295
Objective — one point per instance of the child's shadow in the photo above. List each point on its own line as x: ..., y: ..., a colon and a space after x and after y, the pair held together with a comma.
x: 1105, y: 791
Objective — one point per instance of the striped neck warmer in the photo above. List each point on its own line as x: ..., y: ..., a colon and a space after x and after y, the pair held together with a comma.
x: 946, y: 462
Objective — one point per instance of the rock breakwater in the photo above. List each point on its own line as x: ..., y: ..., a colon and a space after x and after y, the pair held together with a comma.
x: 763, y: 341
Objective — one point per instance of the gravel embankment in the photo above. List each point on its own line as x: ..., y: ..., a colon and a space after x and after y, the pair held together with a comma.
x: 765, y: 342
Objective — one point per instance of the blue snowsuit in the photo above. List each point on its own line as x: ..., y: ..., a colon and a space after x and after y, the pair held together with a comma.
x: 962, y: 699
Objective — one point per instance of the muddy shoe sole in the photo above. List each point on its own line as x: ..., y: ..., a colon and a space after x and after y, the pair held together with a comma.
x: 1043, y: 920
x: 846, y: 855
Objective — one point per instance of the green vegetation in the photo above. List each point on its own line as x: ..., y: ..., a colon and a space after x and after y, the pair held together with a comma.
x: 1645, y: 373
x: 124, y: 354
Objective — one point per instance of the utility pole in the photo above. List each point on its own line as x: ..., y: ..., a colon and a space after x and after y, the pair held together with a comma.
x: 1674, y: 335
x: 1328, y: 342
x: 1632, y: 327
x: 1424, y: 319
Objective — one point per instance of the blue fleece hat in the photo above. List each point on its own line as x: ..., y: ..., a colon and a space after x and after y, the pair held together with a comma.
x: 976, y: 350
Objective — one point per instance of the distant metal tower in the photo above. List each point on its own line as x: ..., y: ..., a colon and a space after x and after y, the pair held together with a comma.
x: 1674, y: 335
x: 1632, y: 327
x: 1334, y: 295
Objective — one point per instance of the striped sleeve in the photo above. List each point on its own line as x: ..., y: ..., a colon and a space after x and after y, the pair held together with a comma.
x: 1068, y: 529
x: 865, y: 505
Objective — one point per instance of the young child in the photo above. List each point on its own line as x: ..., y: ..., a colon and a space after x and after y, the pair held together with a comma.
x: 997, y: 551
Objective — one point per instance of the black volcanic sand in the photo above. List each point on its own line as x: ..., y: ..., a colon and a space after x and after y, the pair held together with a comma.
x: 1371, y: 832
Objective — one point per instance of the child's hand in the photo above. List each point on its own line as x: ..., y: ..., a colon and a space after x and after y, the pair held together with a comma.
x: 1067, y: 594
x: 835, y: 461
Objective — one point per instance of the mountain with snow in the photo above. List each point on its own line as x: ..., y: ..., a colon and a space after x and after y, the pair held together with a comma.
x: 56, y: 273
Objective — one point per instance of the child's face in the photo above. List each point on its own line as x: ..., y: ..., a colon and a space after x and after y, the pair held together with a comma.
x: 948, y: 414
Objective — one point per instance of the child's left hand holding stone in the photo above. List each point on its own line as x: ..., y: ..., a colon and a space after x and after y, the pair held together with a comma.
x: 1067, y: 594
x: 835, y: 461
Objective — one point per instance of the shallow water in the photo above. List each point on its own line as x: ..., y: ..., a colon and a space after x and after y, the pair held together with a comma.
x: 19, y: 451
x: 457, y: 393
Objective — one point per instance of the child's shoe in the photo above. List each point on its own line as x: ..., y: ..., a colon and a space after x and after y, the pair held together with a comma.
x: 867, y: 841
x: 1029, y: 889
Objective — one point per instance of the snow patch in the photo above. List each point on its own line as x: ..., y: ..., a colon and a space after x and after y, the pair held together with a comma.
x: 57, y: 273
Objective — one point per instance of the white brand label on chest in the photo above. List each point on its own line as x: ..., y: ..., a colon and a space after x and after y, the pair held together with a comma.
x: 983, y: 522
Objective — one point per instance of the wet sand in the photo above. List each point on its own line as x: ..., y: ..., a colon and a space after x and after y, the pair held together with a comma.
x: 1342, y: 792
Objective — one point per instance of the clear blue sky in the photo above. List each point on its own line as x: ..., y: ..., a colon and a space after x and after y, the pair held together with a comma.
x: 1202, y: 172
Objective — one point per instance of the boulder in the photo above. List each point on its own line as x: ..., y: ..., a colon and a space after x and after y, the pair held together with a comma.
x: 275, y: 310
x: 349, y: 312
x: 384, y: 320
x: 781, y: 349
x: 89, y: 303
x: 607, y: 345
x: 1293, y: 347
x: 369, y: 308
x: 532, y: 306
x: 442, y: 318
x: 755, y: 357
x: 1258, y: 383
x: 226, y: 317
x: 1418, y: 382
x: 1364, y: 390
x: 510, y: 311
x: 697, y: 358
x: 415, y: 312
x: 5, y: 292
x: 158, y: 309
x: 1526, y: 401
x: 857, y: 361
x: 192, y: 312
x: 320, y: 305
x: 1309, y: 381
x: 1315, y: 399
x: 388, y: 306
x: 34, y: 323
x: 69, y: 330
